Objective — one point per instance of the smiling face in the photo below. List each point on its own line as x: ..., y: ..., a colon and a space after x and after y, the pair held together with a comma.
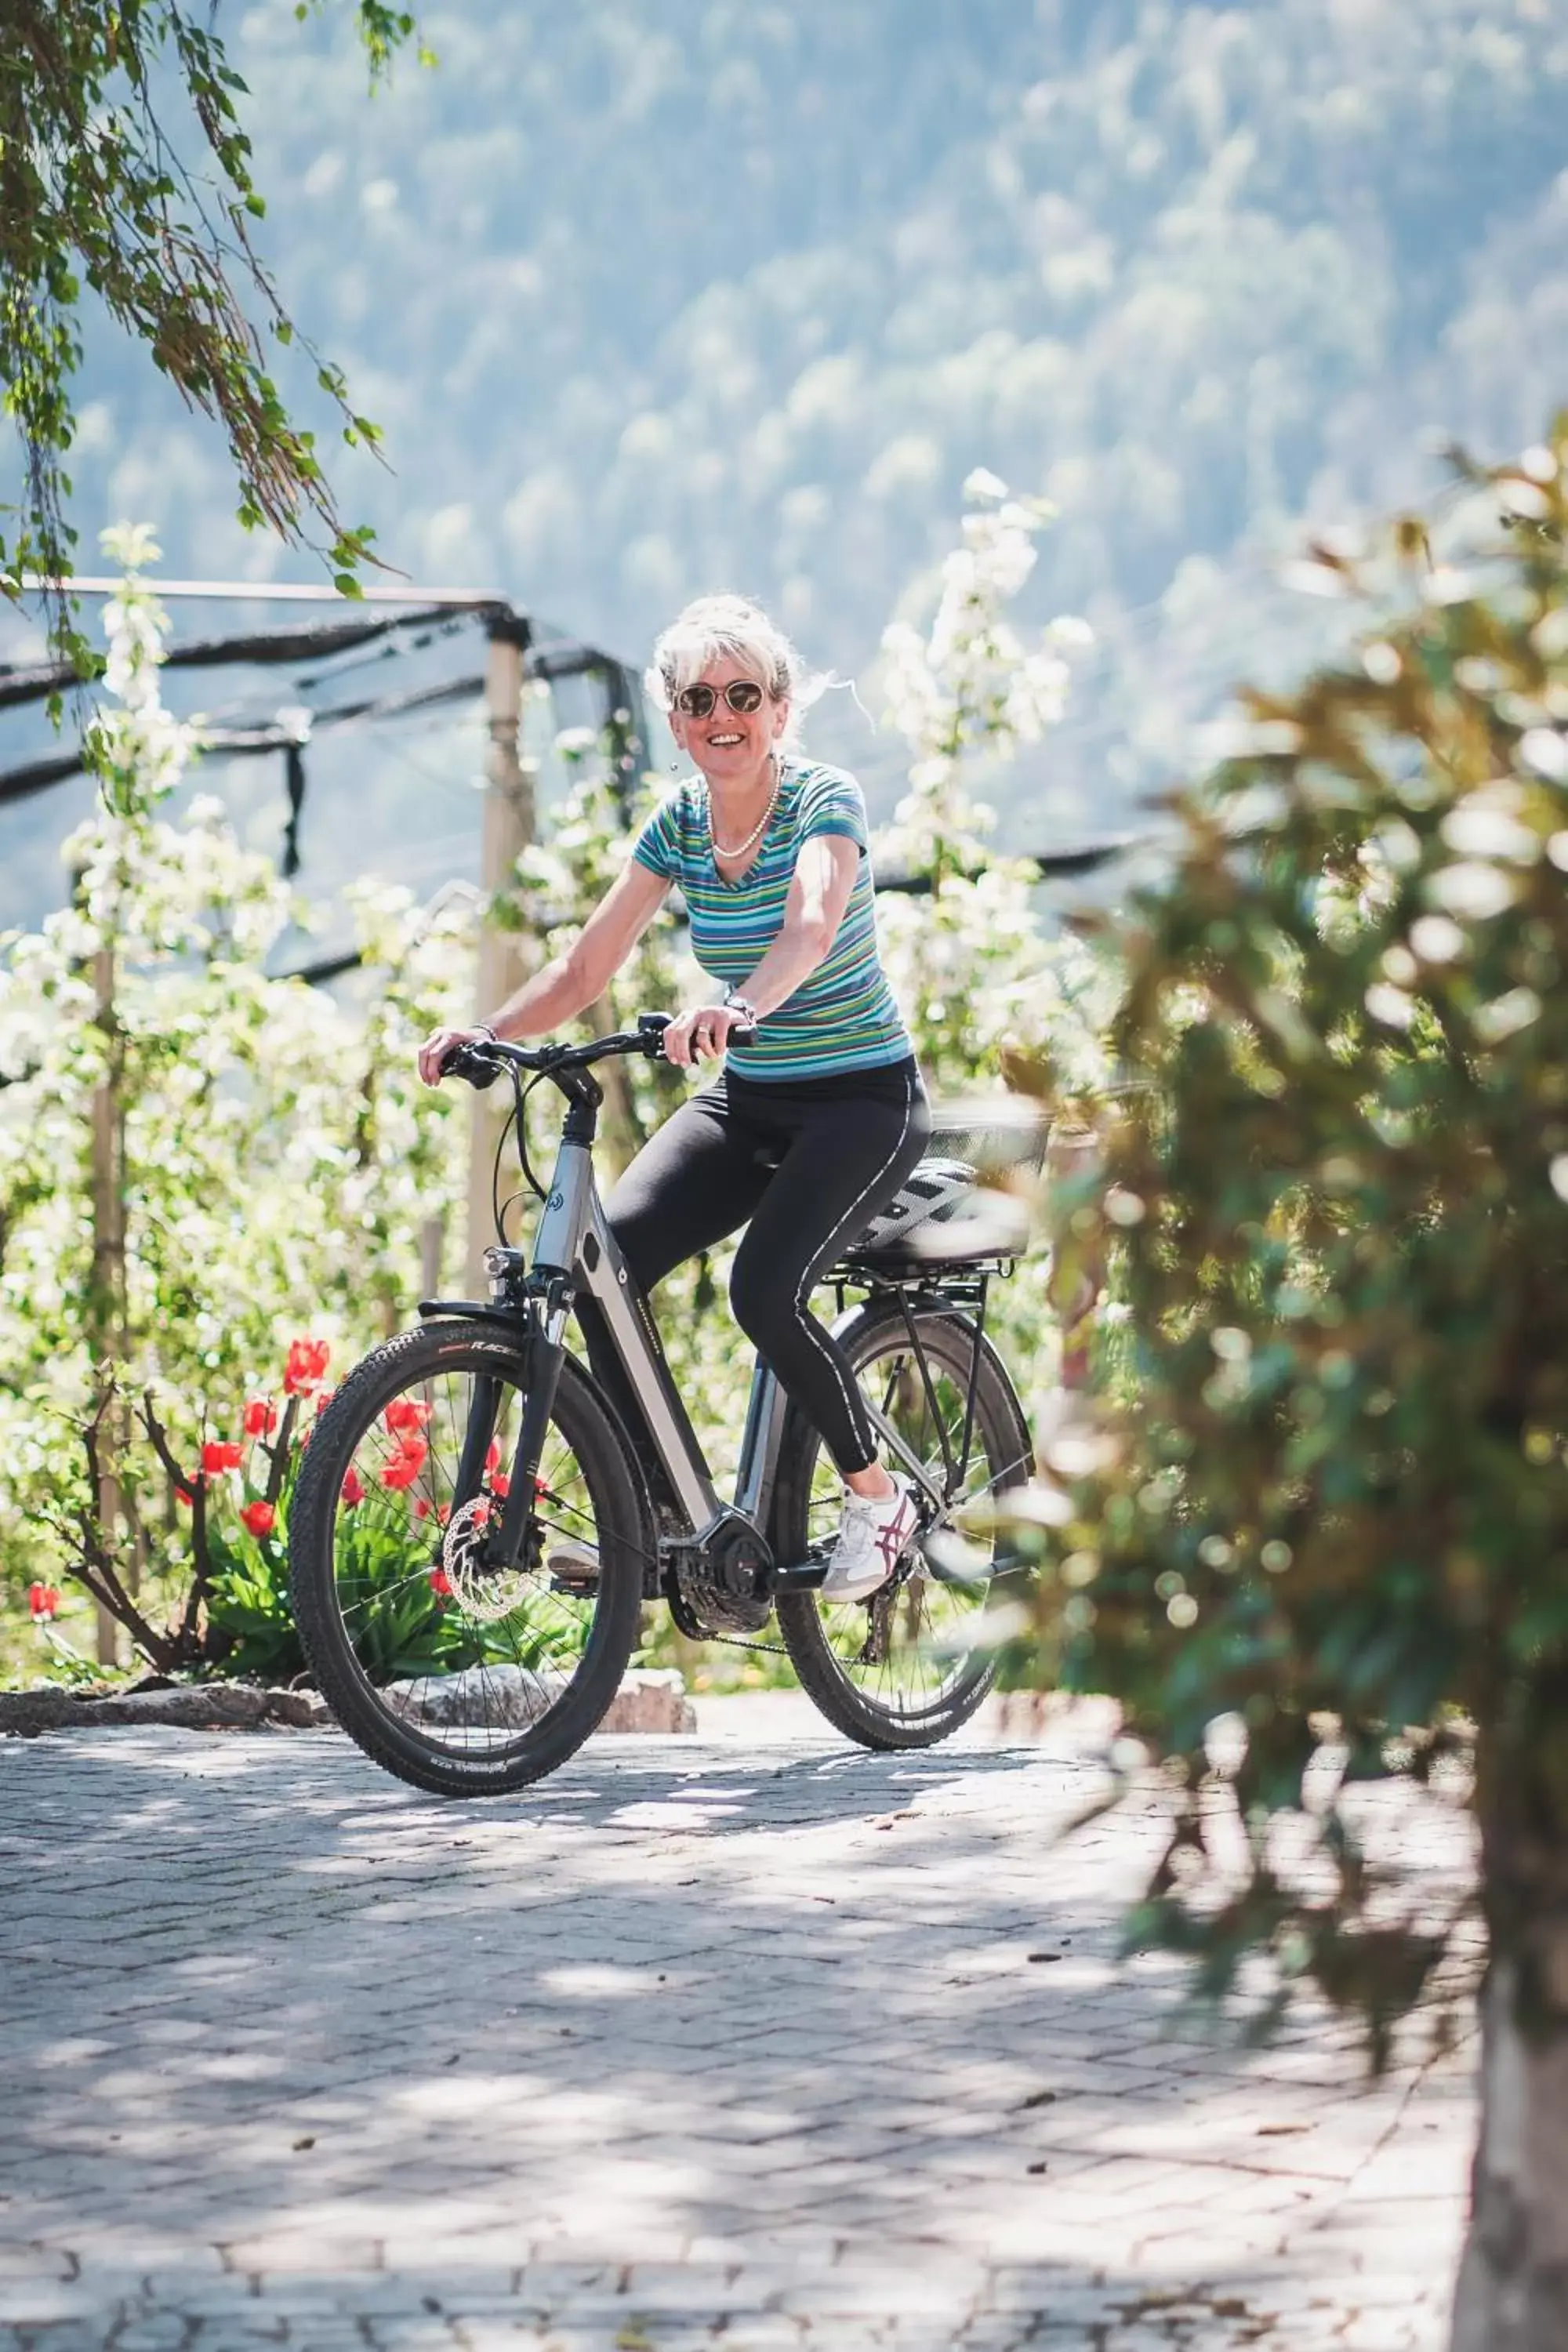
x: 730, y: 747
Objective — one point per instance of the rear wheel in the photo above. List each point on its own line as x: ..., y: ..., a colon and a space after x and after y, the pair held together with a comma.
x: 906, y: 1667
x: 463, y: 1679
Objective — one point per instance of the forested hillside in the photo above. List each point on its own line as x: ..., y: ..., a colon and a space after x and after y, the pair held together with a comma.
x: 650, y: 300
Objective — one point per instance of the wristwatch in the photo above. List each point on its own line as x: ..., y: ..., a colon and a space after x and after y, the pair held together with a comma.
x: 735, y: 1002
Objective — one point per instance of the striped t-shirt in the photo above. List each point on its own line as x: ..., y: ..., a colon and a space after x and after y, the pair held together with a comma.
x: 842, y: 1017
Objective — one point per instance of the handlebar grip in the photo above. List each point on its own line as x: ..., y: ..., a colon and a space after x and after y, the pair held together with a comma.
x: 651, y: 1027
x: 472, y: 1063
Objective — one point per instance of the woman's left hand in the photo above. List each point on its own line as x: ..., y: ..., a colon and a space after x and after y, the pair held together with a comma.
x: 701, y: 1034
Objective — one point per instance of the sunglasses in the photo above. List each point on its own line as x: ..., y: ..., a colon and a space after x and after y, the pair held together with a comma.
x: 742, y: 694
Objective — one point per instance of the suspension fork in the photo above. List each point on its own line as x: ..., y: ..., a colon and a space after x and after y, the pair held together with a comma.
x: 477, y: 1439
x: 543, y: 1352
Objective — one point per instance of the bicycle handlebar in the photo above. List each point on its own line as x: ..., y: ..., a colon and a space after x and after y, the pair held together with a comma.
x: 482, y: 1063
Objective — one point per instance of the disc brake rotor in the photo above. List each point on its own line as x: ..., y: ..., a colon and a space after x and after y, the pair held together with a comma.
x: 484, y: 1593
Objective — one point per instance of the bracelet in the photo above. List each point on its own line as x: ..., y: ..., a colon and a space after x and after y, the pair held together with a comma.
x: 735, y: 1002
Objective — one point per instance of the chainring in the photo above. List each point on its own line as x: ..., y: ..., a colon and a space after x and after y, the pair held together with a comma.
x: 704, y: 1611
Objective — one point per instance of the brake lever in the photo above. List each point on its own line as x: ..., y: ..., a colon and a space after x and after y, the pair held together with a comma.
x: 472, y: 1063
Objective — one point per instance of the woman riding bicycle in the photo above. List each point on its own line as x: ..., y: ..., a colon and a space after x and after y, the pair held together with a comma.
x: 818, y: 1114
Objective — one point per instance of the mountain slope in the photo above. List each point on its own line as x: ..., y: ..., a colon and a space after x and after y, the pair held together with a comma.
x: 651, y: 301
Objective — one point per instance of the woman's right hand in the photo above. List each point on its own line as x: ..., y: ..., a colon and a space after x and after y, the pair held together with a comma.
x: 440, y: 1043
x: 701, y: 1034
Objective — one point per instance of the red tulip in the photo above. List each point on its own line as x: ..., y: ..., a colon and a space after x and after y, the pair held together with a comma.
x: 407, y: 1414
x: 261, y: 1417
x: 354, y: 1487
x: 184, y: 1495
x: 307, y: 1366
x: 223, y: 1453
x: 421, y: 1507
x: 260, y: 1518
x: 500, y: 1485
x: 400, y: 1469
x: 441, y: 1583
x: 492, y: 1455
x: 43, y: 1600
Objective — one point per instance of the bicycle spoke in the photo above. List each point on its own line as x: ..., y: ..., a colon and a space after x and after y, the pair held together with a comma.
x: 906, y: 1654
x: 472, y: 1656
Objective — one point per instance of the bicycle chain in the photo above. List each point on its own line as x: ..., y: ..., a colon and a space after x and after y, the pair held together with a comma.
x: 739, y: 1642
x: 875, y: 1629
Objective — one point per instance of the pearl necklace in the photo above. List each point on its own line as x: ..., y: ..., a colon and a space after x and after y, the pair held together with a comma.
x: 755, y: 834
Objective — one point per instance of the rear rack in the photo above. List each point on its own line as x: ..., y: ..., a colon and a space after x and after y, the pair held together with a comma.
x: 957, y: 1282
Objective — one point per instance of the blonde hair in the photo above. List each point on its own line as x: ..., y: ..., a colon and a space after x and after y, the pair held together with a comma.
x: 712, y: 627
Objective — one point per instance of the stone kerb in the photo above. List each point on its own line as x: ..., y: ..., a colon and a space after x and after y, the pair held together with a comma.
x: 648, y: 1701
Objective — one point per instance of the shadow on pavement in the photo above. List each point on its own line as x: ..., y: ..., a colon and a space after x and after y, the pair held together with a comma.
x: 685, y: 2034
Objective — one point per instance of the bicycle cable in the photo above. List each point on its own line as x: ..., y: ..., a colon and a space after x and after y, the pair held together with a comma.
x: 516, y: 1124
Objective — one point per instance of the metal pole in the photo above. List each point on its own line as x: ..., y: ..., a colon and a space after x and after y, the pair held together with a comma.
x: 507, y: 830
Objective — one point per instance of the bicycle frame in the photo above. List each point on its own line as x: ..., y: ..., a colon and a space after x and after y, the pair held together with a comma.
x: 574, y: 1253
x: 574, y: 1240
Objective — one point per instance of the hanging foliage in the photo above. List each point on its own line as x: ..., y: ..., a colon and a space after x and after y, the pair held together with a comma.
x: 97, y: 193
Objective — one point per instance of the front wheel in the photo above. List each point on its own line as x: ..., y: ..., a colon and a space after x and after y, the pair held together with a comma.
x: 906, y: 1667
x: 458, y: 1677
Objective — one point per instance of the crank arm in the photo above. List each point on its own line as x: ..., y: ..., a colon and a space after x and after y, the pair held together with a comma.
x: 804, y: 1576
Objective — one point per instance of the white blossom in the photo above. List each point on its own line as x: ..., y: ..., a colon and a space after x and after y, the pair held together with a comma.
x: 281, y: 1157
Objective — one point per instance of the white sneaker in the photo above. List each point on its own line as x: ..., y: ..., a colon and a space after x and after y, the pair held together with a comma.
x: 871, y: 1542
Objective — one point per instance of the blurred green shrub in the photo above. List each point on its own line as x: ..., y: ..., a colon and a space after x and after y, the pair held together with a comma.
x: 1325, y: 1538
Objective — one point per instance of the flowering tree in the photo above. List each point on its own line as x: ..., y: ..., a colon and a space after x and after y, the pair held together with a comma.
x: 197, y: 1161
x: 560, y: 879
x: 986, y: 991
x: 970, y: 963
x: 226, y: 1189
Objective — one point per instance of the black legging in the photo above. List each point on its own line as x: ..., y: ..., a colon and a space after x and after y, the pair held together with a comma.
x: 843, y: 1146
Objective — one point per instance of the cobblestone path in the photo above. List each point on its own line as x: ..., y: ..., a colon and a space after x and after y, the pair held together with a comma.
x: 747, y: 2042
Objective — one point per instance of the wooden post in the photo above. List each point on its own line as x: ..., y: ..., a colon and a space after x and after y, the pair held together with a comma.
x: 1077, y: 1267
x: 507, y: 828
x: 432, y: 1242
x: 108, y: 1276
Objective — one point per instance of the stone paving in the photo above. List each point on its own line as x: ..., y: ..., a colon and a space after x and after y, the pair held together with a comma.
x: 745, y: 2040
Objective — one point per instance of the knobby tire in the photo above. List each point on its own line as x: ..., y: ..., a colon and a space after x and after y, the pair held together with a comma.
x: 1000, y: 1436
x: 397, y: 1369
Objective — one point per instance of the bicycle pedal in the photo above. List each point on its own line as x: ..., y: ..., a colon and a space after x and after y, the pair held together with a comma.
x: 573, y: 1567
